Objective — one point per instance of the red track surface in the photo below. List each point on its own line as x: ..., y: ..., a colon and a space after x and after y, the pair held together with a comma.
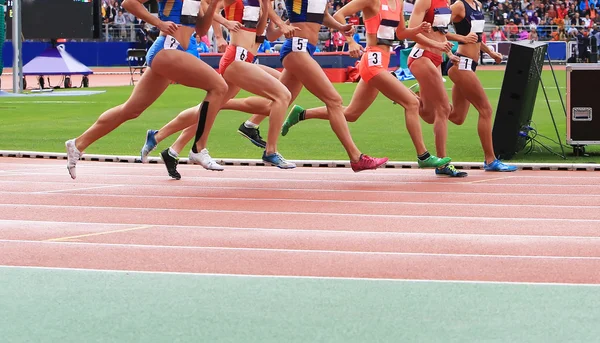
x: 389, y: 223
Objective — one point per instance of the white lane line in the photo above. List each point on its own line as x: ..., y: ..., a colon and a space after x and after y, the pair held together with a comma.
x: 70, y: 189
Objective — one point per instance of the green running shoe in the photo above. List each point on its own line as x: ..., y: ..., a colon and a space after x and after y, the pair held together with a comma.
x: 434, y: 162
x: 292, y: 119
x: 449, y: 170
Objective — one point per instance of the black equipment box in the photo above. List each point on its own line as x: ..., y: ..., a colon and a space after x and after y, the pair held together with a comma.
x: 582, y: 97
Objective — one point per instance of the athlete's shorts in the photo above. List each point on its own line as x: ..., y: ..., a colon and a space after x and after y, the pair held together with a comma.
x: 234, y: 53
x: 417, y: 53
x: 374, y: 60
x: 465, y: 63
x: 162, y: 42
x: 296, y: 44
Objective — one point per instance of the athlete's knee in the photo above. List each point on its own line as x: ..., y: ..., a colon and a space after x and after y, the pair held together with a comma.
x: 457, y: 119
x: 334, y: 100
x: 486, y: 112
x: 412, y: 106
x: 130, y: 111
x: 219, y: 88
x: 284, y: 96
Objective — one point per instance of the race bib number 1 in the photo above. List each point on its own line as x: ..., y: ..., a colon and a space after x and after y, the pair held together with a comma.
x: 374, y: 59
x: 241, y: 54
x: 171, y: 43
x: 465, y: 63
x: 299, y: 44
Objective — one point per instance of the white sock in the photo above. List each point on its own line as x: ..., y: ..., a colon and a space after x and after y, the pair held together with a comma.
x: 250, y: 124
x: 173, y: 152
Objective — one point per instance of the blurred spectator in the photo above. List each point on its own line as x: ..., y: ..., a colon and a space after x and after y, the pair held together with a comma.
x: 282, y: 11
x: 511, y: 30
x: 533, y: 35
x: 265, y: 47
x: 497, y: 35
x: 354, y: 19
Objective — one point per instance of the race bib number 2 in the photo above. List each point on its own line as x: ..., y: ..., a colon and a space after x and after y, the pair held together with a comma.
x: 416, y: 53
x: 374, y: 59
x: 241, y: 54
x: 465, y: 63
x: 299, y: 44
x: 171, y: 43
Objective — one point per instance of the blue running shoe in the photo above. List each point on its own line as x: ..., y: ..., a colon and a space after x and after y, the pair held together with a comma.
x: 498, y: 166
x: 149, y: 146
x: 277, y: 160
x: 449, y: 170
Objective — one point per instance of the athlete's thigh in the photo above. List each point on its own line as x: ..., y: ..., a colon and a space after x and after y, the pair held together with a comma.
x: 459, y: 101
x: 185, y: 69
x: 291, y: 82
x: 393, y: 89
x: 149, y: 88
x: 472, y: 90
x: 254, y: 79
x: 232, y: 92
x: 364, y: 95
x: 310, y: 74
x: 432, y: 89
x: 272, y: 71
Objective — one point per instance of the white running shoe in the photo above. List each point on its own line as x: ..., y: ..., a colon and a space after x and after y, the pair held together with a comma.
x: 73, y: 155
x: 203, y: 158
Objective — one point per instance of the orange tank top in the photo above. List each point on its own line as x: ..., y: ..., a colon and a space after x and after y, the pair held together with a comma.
x: 245, y: 12
x: 384, y: 24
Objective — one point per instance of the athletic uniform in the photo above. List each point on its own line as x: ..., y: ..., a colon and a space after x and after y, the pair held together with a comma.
x: 302, y: 11
x: 180, y: 12
x: 438, y: 15
x: 473, y: 21
x: 375, y: 59
x: 245, y: 12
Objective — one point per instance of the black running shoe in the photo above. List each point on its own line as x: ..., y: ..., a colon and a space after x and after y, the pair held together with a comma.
x: 253, y: 135
x: 171, y: 164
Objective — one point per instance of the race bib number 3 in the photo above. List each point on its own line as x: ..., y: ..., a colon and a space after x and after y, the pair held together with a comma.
x: 299, y: 44
x: 374, y: 58
x: 465, y: 63
x: 241, y: 54
x: 171, y: 43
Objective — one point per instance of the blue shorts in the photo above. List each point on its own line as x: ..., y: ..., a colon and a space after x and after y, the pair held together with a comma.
x: 286, y: 48
x: 159, y: 44
x: 193, y: 47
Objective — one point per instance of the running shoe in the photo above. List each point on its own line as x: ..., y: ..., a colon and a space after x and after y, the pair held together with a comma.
x: 149, y: 145
x: 171, y: 163
x: 73, y: 155
x: 292, y: 119
x: 367, y: 162
x: 253, y: 134
x: 415, y: 88
x: 450, y: 171
x: 277, y: 160
x: 203, y: 158
x: 433, y: 162
x: 498, y: 166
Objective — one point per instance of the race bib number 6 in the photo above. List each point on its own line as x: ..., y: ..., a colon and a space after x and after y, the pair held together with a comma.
x: 465, y: 63
x: 171, y: 43
x: 241, y: 54
x: 299, y: 44
x: 374, y: 59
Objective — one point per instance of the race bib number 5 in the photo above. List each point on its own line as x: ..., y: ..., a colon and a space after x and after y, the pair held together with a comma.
x: 465, y: 63
x: 374, y: 59
x: 241, y: 54
x: 299, y: 44
x: 171, y: 43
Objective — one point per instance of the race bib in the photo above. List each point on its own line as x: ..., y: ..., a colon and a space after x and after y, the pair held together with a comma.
x: 441, y: 17
x: 251, y: 13
x: 465, y: 63
x: 386, y: 32
x: 416, y: 53
x: 190, y: 7
x: 374, y: 58
x: 241, y: 54
x: 316, y: 6
x: 171, y: 43
x: 477, y: 26
x: 299, y: 44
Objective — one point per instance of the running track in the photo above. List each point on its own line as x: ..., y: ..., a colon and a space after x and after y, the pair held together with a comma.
x: 529, y: 226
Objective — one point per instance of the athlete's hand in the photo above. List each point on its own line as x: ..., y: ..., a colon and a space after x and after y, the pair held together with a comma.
x: 444, y: 46
x: 221, y: 44
x: 425, y: 27
x: 471, y: 38
x: 168, y: 27
x: 347, y: 30
x: 455, y: 59
x: 288, y: 30
x: 355, y: 50
x: 497, y: 57
x: 233, y: 26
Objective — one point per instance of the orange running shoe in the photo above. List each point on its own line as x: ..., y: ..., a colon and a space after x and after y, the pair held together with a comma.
x: 367, y: 162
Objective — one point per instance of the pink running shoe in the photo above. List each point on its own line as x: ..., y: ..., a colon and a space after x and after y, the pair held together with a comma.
x: 367, y: 162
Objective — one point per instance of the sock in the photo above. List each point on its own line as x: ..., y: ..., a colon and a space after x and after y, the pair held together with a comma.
x: 173, y: 153
x: 302, y: 115
x: 201, y: 124
x: 250, y: 125
x: 424, y: 156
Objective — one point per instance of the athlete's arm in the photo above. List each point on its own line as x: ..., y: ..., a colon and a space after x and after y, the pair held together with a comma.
x: 345, y: 29
x: 495, y: 55
x: 458, y: 13
x: 136, y: 7
x: 287, y: 30
x: 204, y: 21
x: 354, y: 49
x: 402, y: 32
x: 264, y: 15
x: 416, y: 18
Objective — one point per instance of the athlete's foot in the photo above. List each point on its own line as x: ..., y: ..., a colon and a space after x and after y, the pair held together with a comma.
x: 203, y: 158
x: 277, y: 160
x: 498, y: 166
x: 73, y: 155
x: 433, y: 162
x: 149, y: 145
x: 292, y: 119
x: 171, y: 163
x: 367, y: 162
x: 449, y: 170
x: 253, y: 134
x: 415, y: 89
